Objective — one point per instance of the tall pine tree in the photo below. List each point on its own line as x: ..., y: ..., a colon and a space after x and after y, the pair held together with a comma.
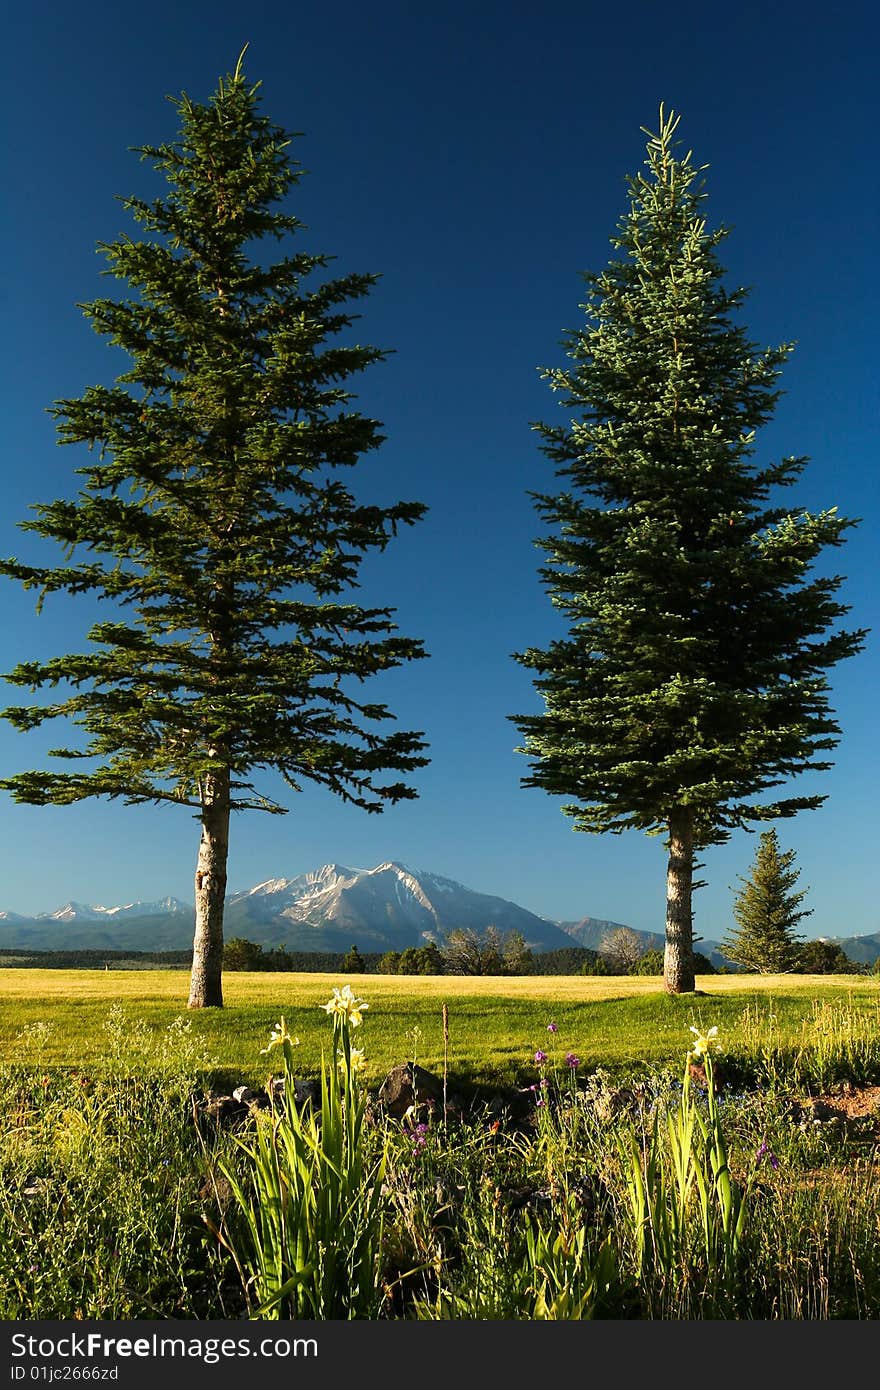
x: 767, y: 910
x: 692, y: 678
x: 214, y: 516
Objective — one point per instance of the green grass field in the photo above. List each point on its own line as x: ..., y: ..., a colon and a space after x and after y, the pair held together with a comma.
x: 92, y: 1020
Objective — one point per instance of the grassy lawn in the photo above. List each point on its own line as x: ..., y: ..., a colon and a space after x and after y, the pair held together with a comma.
x: 83, y: 1019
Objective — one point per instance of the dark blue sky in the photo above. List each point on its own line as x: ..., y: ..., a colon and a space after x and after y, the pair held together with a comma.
x: 474, y: 156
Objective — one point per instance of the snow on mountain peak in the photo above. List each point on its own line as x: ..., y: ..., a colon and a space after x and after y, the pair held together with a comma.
x: 96, y: 912
x: 71, y: 911
x: 271, y: 885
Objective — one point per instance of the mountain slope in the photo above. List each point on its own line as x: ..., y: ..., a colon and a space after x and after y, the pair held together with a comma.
x: 386, y: 908
x: 591, y: 932
x: 863, y: 949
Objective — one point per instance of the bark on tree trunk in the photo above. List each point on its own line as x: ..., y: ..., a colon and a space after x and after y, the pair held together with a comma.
x: 678, y: 959
x: 206, y: 987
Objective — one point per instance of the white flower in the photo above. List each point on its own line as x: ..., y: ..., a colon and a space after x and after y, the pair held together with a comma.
x: 704, y: 1042
x: 278, y: 1036
x: 344, y: 1002
x: 356, y: 1057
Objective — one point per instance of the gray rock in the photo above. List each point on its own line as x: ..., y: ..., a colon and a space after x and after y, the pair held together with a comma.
x: 224, y: 1112
x: 820, y: 1110
x: 409, y: 1085
x: 513, y: 1103
x: 306, y: 1093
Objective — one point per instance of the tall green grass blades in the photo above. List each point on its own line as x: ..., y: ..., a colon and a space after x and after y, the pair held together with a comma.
x: 668, y: 1197
x: 565, y: 1283
x: 838, y: 1040
x: 660, y: 1173
x: 839, y: 1043
x: 687, y: 1214
x: 310, y: 1204
x: 724, y: 1204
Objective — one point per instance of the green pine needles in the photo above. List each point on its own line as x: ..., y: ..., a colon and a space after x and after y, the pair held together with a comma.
x: 215, y: 517
x: 692, y: 679
x: 767, y: 910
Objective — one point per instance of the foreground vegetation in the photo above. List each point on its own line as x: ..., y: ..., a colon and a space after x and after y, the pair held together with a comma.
x: 619, y: 1185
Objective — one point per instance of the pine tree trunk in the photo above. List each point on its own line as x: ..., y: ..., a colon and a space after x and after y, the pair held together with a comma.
x: 206, y: 987
x: 678, y: 960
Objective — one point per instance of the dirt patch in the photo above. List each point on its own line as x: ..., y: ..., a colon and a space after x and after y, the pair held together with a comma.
x: 850, y: 1102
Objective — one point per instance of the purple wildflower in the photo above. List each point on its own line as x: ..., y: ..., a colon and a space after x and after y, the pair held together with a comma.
x: 420, y: 1137
x: 540, y: 1056
x: 766, y: 1152
x: 571, y: 1060
x: 552, y: 1027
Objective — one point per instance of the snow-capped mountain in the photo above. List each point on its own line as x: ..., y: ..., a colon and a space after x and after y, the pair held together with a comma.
x: 385, y: 908
x: 388, y: 907
x: 84, y: 912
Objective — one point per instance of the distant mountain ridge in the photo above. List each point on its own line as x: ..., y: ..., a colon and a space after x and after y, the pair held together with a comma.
x: 386, y: 908
x: 864, y: 950
x: 80, y: 912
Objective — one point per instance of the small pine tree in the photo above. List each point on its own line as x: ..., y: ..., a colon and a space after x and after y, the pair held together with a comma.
x: 767, y: 910
x: 824, y: 958
x: 597, y: 966
x: 353, y: 962
x: 430, y: 959
x: 241, y: 954
x: 409, y: 962
x: 650, y: 963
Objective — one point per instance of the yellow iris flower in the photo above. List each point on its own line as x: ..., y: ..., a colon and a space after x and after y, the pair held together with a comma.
x: 344, y: 1002
x: 278, y: 1036
x: 358, y: 1061
x: 704, y: 1042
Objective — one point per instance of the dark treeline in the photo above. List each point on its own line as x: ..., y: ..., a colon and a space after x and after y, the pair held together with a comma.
x: 274, y: 960
x: 819, y: 957
x: 568, y: 961
x: 89, y: 960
